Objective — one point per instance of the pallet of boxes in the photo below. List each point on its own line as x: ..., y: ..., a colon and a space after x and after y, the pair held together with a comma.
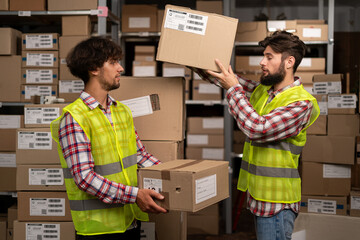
x: 327, y: 160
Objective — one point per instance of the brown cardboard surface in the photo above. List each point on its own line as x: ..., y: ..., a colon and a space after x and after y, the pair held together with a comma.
x: 205, y: 153
x: 75, y: 25
x: 65, y: 73
x: 26, y: 94
x: 341, y: 204
x: 251, y: 31
x: 10, y: 234
x: 39, y: 38
x: 319, y: 127
x: 25, y: 5
x: 197, y: 50
x: 67, y: 230
x: 55, y: 5
x: 37, y: 156
x: 4, y: 5
x: 355, y: 175
x: 144, y: 53
x: 10, y: 41
x: 160, y: 16
x: 343, y: 125
x: 172, y: 225
x: 2, y: 228
x: 179, y: 178
x: 31, y: 79
x: 25, y: 178
x: 307, y: 77
x: 207, y: 125
x: 169, y: 122
x: 7, y: 179
x: 325, y: 226
x: 68, y: 42
x: 8, y: 135
x: 144, y: 69
x: 49, y: 113
x: 10, y: 86
x: 70, y: 90
x: 165, y: 150
x: 205, y: 221
x: 312, y: 64
x: 210, y: 6
x: 249, y: 64
x: 25, y: 207
x: 202, y: 90
x: 329, y: 149
x: 12, y: 215
x: 314, y: 181
x: 175, y: 70
x: 139, y: 18
x: 28, y: 55
x: 320, y: 34
x: 205, y: 140
x: 328, y: 77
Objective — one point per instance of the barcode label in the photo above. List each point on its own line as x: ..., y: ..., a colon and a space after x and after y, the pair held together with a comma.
x: 39, y: 231
x: 322, y: 206
x: 31, y: 140
x: 47, y: 207
x: 43, y: 115
x: 39, y: 41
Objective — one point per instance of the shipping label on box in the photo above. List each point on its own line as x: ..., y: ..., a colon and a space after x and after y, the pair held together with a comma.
x: 140, y: 106
x: 41, y: 115
x: 71, y: 86
x: 47, y: 206
x: 185, y: 21
x: 321, y: 206
x: 34, y: 140
x: 342, y: 101
x: 46, y: 176
x: 327, y: 87
x: 9, y: 121
x: 336, y: 171
x: 355, y: 202
x: 7, y: 160
x: 30, y: 91
x: 39, y: 76
x: 42, y: 231
x: 40, y: 60
x: 40, y: 41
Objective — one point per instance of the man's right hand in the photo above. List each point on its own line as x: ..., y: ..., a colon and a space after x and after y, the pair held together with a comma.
x: 146, y: 203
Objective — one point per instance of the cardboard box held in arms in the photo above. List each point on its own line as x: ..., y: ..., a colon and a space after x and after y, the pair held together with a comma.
x: 187, y: 185
x: 195, y: 38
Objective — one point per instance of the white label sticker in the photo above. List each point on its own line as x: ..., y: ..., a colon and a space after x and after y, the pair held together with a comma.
x: 140, y: 106
x: 312, y: 32
x: 213, y: 153
x: 144, y: 71
x: 47, y: 206
x: 173, y: 72
x: 273, y: 26
x: 40, y: 59
x: 37, y: 90
x: 35, y: 140
x: 327, y: 87
x: 306, y: 62
x: 336, y: 171
x: 186, y: 22
x: 322, y: 206
x: 213, y: 123
x: 255, y: 60
x: 75, y: 86
x: 39, y: 76
x: 46, y: 176
x: 44, y: 115
x: 323, y: 108
x: 197, y: 139
x: 208, y: 88
x: 9, y: 121
x: 154, y: 184
x: 139, y: 22
x: 342, y: 101
x: 205, y: 188
x: 355, y: 202
x: 43, y: 231
x: 39, y: 41
x: 7, y: 160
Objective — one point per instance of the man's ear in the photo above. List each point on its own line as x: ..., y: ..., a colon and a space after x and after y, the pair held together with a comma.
x: 94, y: 72
x: 289, y: 62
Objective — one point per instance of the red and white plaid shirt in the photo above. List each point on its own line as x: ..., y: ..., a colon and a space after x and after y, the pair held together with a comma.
x: 76, y: 148
x: 281, y: 123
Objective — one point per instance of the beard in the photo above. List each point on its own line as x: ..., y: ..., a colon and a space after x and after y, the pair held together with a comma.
x: 108, y: 86
x: 275, y: 78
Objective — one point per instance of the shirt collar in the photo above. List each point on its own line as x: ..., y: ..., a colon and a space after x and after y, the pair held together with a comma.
x: 91, y: 102
x: 297, y: 82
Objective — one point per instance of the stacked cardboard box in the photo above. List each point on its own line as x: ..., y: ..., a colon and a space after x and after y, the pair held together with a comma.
x: 144, y: 64
x: 175, y: 70
x: 202, y: 90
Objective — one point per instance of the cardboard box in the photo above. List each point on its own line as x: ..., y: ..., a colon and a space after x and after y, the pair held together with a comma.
x: 37, y: 206
x: 307, y: 78
x: 205, y: 153
x: 326, y: 179
x: 175, y: 70
x: 168, y: 123
x: 10, y: 86
x: 4, y: 5
x: 144, y: 53
x: 40, y: 41
x: 205, y: 140
x: 165, y: 150
x: 139, y: 18
x: 329, y: 149
x: 251, y: 31
x: 355, y: 203
x: 319, y: 127
x: 280, y: 25
x: 57, y: 230
x: 355, y: 174
x: 144, y: 69
x: 10, y: 234
x: 172, y: 225
x: 7, y: 179
x: 41, y: 115
x: 210, y: 6
x: 32, y: 59
x: 327, y: 83
x: 27, y: 91
x: 40, y: 76
x: 40, y: 178
x: 205, y: 125
x: 329, y: 227
x: 69, y: 42
x: 65, y: 73
x: 7, y: 159
x: 36, y: 146
x: 202, y: 90
x: 205, y: 221
x: 189, y: 42
x: 308, y: 31
x: 160, y: 16
x: 342, y: 103
x: 55, y: 5
x: 10, y: 41
x: 312, y: 65
x: 8, y: 126
x: 75, y: 25
x: 188, y: 185
x: 248, y: 64
x: 12, y: 215
x: 2, y: 228
x: 343, y: 125
x: 70, y: 90
x: 25, y: 5
x: 324, y: 205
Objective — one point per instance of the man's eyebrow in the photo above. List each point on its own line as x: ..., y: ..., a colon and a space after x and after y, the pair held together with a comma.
x: 268, y: 54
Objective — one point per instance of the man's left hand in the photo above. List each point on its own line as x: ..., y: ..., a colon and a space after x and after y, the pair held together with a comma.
x: 226, y: 78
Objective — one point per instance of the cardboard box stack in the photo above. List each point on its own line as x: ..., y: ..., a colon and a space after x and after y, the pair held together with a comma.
x: 202, y: 90
x: 176, y: 70
x: 42, y: 200
x: 144, y: 64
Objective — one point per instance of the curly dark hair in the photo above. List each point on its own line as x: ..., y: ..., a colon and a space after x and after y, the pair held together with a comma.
x: 287, y: 44
x: 91, y: 54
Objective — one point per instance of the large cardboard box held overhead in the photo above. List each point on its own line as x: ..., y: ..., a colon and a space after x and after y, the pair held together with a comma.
x: 188, y: 185
x: 194, y: 38
x: 10, y: 82
x: 53, y: 230
x: 169, y: 122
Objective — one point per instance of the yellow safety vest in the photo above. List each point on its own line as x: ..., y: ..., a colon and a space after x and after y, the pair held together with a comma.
x: 269, y: 170
x: 114, y: 152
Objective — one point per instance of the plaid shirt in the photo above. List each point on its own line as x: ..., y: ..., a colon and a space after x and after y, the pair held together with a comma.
x: 76, y: 148
x: 281, y: 123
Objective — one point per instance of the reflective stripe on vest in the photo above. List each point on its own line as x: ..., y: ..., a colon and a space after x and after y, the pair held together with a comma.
x: 280, y: 145
x: 108, y: 169
x: 91, y: 204
x: 269, y: 171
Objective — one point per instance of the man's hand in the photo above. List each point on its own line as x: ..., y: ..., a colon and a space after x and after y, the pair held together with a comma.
x: 226, y: 78
x: 146, y: 203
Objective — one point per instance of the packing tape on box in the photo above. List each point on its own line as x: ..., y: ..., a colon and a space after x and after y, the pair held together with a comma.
x: 165, y: 174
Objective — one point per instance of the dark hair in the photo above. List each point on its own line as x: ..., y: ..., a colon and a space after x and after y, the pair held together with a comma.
x: 287, y: 44
x: 91, y: 54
